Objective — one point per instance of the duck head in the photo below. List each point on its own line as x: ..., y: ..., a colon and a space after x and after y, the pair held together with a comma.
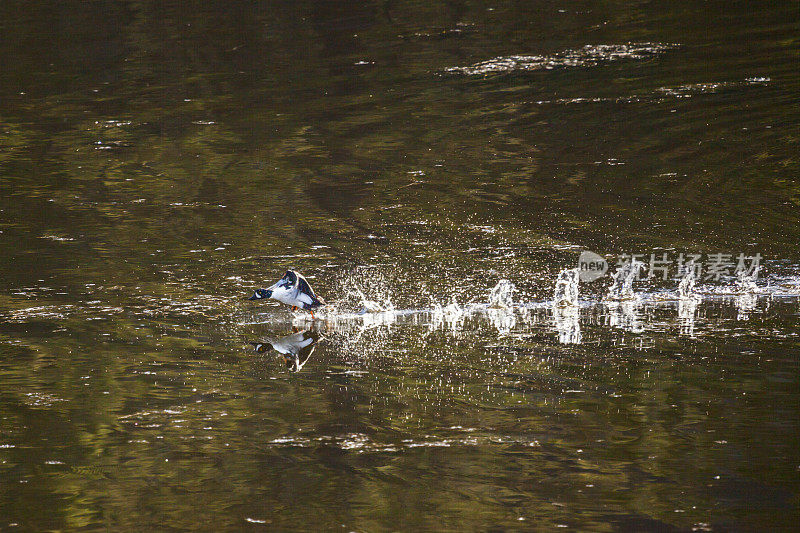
x: 287, y: 282
x: 261, y: 347
x: 261, y: 294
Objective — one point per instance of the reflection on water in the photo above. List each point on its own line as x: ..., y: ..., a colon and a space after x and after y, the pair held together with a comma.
x: 687, y: 311
x: 624, y: 315
x: 589, y: 55
x: 567, y: 322
x: 295, y: 348
x: 745, y: 303
x: 431, y: 168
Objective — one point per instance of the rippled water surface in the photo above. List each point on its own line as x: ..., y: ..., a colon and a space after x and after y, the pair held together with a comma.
x: 434, y: 169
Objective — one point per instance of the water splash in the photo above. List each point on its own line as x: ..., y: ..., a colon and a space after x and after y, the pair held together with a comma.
x: 501, y: 296
x: 622, y: 285
x: 688, y: 300
x: 687, y: 284
x: 566, y: 318
x: 621, y: 299
x: 365, y: 290
x: 373, y: 306
x: 500, y: 311
x: 364, y: 317
x: 746, y: 283
x: 747, y: 293
x: 566, y: 292
x: 450, y: 316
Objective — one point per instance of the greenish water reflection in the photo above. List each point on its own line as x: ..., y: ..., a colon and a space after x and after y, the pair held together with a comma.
x: 158, y: 161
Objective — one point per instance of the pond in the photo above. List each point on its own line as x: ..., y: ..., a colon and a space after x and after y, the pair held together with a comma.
x: 435, y: 170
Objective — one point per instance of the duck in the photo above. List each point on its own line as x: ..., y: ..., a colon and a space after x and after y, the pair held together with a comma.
x: 293, y: 290
x: 295, y: 348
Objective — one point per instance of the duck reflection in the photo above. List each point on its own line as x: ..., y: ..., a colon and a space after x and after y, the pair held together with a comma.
x: 295, y: 348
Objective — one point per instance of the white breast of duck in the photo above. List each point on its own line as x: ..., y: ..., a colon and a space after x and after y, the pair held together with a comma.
x: 293, y: 344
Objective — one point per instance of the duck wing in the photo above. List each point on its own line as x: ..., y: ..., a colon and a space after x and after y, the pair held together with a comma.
x: 304, y: 287
x: 304, y: 354
x: 306, y: 294
x: 283, y: 345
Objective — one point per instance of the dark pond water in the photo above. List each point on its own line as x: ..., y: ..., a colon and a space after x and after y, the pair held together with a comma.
x: 445, y: 161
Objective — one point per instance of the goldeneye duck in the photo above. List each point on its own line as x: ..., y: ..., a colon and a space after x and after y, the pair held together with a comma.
x: 296, y: 348
x: 293, y: 290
